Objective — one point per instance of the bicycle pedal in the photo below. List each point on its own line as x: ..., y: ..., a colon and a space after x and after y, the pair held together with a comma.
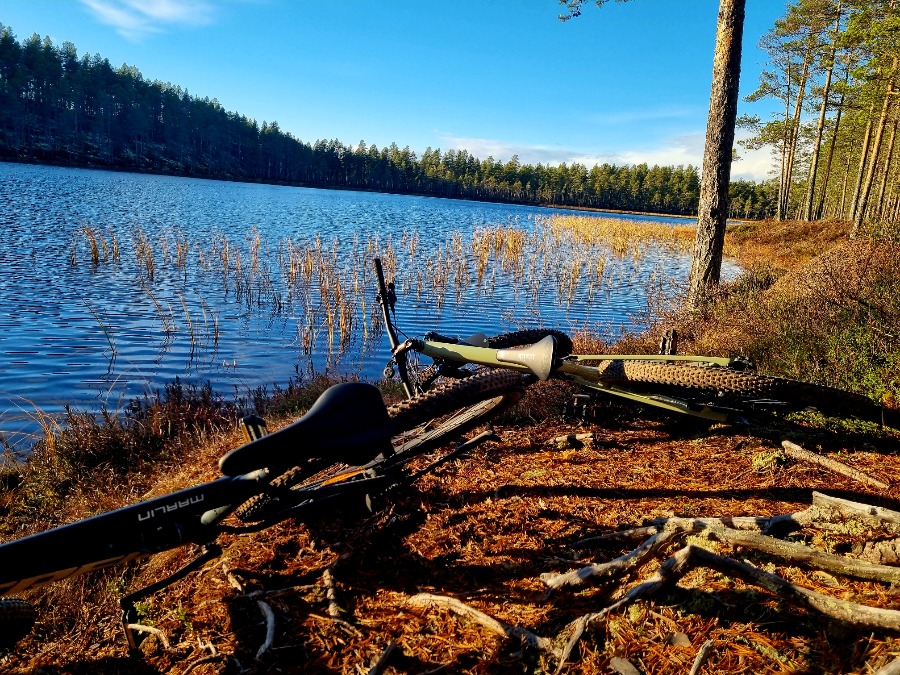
x: 254, y: 428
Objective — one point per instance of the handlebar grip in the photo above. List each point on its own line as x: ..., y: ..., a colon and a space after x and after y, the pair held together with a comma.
x: 379, y: 273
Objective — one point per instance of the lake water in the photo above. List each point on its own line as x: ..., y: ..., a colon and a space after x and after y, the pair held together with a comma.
x: 112, y: 284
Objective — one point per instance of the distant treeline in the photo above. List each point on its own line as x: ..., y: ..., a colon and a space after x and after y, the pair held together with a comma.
x: 58, y: 108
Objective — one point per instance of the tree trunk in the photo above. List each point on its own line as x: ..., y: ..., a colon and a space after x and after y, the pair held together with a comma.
x: 794, y: 133
x: 814, y: 161
x: 781, y: 210
x: 706, y: 265
x: 841, y: 212
x: 867, y: 141
x: 889, y: 156
x: 820, y: 209
x: 860, y: 211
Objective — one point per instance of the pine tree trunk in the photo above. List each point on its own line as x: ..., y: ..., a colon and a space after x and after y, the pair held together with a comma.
x: 783, y: 189
x: 795, y: 127
x: 820, y: 128
x: 889, y: 156
x: 860, y: 213
x: 867, y: 141
x: 820, y: 209
x: 706, y: 265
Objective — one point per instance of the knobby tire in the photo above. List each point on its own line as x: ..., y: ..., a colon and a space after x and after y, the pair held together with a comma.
x: 738, y: 388
x: 16, y: 619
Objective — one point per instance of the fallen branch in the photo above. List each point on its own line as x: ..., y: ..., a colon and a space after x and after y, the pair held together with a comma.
x: 893, y: 668
x: 494, y: 625
x: 266, y: 609
x: 379, y: 666
x: 691, y: 557
x: 880, y: 552
x: 834, y: 510
x: 797, y: 452
x: 335, y: 611
x: 141, y: 628
x: 675, y: 528
x: 657, y: 524
x: 702, y: 656
x: 617, y: 567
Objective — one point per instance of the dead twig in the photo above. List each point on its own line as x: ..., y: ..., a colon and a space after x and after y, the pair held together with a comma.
x: 379, y: 666
x: 141, y: 628
x: 266, y: 609
x: 494, y: 625
x: 196, y: 663
x: 797, y: 452
x: 702, y: 656
x: 277, y: 591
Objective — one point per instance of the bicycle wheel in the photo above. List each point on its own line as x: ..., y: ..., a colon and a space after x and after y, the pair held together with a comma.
x: 421, y: 424
x: 523, y: 338
x: 450, y: 410
x: 16, y: 619
x: 738, y: 388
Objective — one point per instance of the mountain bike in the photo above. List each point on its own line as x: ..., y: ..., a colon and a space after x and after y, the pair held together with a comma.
x: 346, y: 449
x: 713, y: 388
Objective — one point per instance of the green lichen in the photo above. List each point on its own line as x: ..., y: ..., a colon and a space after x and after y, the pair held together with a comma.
x: 768, y: 460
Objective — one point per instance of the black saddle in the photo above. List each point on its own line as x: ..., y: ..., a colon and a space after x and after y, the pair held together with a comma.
x: 348, y: 423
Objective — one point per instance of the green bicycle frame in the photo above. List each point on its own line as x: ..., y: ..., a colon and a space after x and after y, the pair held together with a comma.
x: 584, y: 375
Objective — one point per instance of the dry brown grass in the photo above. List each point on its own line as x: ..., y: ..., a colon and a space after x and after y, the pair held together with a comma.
x: 784, y: 245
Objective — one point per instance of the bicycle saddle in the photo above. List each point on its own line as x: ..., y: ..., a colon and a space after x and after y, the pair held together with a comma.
x: 348, y: 423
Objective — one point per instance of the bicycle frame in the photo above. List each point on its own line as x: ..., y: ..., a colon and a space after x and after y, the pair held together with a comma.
x: 135, y: 531
x: 571, y: 368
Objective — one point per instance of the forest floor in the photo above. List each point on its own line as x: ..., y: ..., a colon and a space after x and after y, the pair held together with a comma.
x: 346, y: 590
x: 482, y: 530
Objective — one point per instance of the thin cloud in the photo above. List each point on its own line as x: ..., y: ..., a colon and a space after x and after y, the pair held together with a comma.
x: 135, y: 19
x: 642, y: 115
x: 675, y: 151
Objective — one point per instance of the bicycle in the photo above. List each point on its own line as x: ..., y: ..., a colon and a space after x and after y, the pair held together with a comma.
x: 717, y: 389
x: 339, y: 464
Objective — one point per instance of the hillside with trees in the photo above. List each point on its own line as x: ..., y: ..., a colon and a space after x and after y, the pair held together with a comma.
x: 57, y: 107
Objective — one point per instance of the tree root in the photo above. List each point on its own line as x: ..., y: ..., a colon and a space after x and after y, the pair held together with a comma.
x: 744, y: 533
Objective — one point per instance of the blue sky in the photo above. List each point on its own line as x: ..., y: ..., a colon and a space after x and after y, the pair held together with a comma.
x: 623, y: 84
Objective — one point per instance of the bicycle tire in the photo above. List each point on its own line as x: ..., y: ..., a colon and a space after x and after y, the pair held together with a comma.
x: 421, y: 424
x: 736, y: 388
x: 523, y: 338
x: 17, y: 616
x: 457, y: 407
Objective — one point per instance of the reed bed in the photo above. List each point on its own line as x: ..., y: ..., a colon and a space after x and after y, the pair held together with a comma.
x: 326, y: 286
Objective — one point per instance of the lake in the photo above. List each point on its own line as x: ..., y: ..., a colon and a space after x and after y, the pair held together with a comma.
x: 113, y: 284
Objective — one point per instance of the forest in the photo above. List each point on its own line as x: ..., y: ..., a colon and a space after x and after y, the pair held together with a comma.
x: 57, y: 107
x: 832, y: 70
